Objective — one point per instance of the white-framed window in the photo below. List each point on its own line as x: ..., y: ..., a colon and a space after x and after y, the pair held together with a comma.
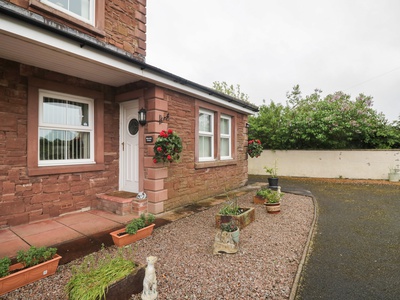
x: 206, y: 135
x: 83, y: 10
x: 66, y: 129
x: 225, y: 137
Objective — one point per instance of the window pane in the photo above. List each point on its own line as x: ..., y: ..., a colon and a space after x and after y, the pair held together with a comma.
x: 57, y: 111
x: 62, y: 144
x: 224, y: 126
x: 54, y: 111
x: 78, y: 114
x: 78, y: 145
x: 225, y: 147
x: 51, y: 144
x: 80, y: 8
x: 205, y: 122
x: 204, y: 146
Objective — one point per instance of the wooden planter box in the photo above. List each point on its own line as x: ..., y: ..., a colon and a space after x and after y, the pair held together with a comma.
x: 243, y: 219
x: 28, y: 275
x: 124, y: 288
x: 127, y: 239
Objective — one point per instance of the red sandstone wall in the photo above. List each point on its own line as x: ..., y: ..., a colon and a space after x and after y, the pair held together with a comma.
x: 26, y: 198
x: 124, y: 23
x: 186, y: 184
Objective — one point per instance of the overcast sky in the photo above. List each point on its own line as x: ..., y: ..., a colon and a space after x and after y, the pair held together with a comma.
x: 268, y: 46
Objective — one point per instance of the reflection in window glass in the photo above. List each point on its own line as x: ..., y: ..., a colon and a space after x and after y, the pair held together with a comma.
x: 61, y: 145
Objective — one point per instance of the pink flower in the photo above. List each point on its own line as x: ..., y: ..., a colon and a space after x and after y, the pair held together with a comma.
x: 169, y: 131
x: 169, y: 157
x: 155, y: 160
x: 159, y: 149
x: 251, y: 142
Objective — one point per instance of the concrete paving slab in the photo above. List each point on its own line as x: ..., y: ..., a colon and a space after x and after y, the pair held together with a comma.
x: 10, y: 243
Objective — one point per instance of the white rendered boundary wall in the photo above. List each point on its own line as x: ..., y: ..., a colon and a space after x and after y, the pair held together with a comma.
x: 355, y: 164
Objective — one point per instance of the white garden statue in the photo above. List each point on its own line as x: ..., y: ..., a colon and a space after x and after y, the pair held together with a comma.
x: 150, y: 280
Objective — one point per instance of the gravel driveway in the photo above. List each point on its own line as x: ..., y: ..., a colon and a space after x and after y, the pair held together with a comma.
x: 264, y: 268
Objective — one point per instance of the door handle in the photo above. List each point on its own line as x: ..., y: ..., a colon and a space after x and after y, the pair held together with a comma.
x: 123, y: 146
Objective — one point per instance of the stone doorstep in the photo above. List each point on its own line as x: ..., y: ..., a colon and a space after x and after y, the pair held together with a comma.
x: 121, y: 205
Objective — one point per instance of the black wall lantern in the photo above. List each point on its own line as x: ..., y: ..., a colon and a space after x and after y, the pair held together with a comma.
x: 142, y: 116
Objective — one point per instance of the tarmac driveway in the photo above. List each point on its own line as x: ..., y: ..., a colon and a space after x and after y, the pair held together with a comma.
x: 355, y: 251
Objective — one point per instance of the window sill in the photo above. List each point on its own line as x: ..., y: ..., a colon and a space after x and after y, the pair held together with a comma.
x: 214, y: 164
x: 37, y: 171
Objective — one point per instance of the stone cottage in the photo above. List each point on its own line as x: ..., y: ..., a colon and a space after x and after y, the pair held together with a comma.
x: 80, y: 111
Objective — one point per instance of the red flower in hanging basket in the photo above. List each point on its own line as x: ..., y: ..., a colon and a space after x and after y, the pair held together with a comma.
x: 254, y: 148
x: 168, y: 147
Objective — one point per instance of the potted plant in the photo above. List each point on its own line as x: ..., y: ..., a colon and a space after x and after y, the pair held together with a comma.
x: 254, y: 148
x: 273, y: 201
x: 243, y: 216
x: 261, y: 196
x: 227, y: 238
x: 137, y: 229
x: 167, y: 147
x: 32, y: 265
x: 232, y: 228
x: 273, y: 172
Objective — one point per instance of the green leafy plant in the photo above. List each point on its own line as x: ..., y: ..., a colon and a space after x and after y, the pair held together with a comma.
x: 273, y: 171
x: 254, y: 148
x: 34, y: 256
x: 91, y: 278
x: 274, y: 197
x: 139, y: 223
x: 5, y: 263
x: 269, y: 195
x: 167, y: 147
x: 263, y: 193
x: 231, y: 207
x: 230, y: 226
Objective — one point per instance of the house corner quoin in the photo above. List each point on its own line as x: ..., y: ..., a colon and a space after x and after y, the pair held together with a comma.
x: 153, y: 183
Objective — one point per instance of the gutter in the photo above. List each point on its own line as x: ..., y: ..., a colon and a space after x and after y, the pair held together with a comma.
x: 86, y: 40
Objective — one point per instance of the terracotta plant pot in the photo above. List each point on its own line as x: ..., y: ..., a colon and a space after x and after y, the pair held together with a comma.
x: 243, y: 219
x: 28, y: 275
x: 258, y: 200
x: 127, y: 239
x: 273, y: 208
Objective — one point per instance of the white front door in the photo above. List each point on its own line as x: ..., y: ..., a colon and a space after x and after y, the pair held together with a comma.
x: 129, y: 147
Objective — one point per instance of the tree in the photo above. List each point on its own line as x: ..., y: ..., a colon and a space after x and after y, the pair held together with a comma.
x: 230, y: 90
x: 333, y: 122
x: 266, y: 125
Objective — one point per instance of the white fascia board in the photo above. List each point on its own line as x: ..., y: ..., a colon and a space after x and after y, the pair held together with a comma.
x: 66, y: 46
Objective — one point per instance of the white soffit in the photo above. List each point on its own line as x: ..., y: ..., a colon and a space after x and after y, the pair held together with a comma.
x: 38, y: 47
